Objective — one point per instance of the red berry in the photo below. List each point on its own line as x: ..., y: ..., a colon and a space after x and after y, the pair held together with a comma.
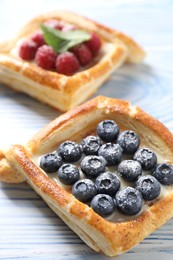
x: 45, y: 57
x: 27, y: 50
x: 69, y: 27
x: 58, y: 25
x: 94, y: 44
x: 67, y: 63
x: 38, y: 38
x: 83, y: 54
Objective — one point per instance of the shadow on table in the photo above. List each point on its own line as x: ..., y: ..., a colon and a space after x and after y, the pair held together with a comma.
x: 26, y: 104
x: 130, y: 82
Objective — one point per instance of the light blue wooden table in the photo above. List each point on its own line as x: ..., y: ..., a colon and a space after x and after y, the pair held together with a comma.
x: 28, y: 228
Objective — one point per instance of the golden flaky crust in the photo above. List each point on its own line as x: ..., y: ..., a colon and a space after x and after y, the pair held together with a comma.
x: 110, y: 238
x: 60, y: 91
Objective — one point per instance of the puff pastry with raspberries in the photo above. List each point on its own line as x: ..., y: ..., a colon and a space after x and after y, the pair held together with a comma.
x: 105, y: 168
x: 25, y: 67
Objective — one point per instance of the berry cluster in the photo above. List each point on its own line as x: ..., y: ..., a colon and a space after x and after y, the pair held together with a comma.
x: 92, y: 181
x: 66, y: 63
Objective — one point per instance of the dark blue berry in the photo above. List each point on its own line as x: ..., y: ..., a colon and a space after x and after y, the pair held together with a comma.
x: 108, y: 130
x: 68, y: 174
x: 107, y: 183
x: 146, y: 157
x: 164, y: 173
x: 91, y: 145
x: 84, y: 190
x: 129, y: 201
x: 148, y: 186
x: 70, y: 151
x: 129, y: 141
x: 130, y: 170
x: 50, y: 162
x: 93, y: 165
x: 103, y: 205
x: 111, y: 152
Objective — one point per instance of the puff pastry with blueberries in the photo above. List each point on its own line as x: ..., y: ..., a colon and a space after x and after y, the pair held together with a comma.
x: 87, y: 66
x: 105, y: 168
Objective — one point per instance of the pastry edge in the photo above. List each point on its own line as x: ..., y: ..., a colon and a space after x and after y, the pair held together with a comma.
x: 116, y: 237
x: 110, y: 238
x: 66, y: 92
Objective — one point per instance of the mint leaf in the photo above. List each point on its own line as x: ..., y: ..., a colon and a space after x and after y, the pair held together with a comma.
x: 62, y: 41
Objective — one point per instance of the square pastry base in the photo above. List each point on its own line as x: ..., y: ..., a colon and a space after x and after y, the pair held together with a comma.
x: 60, y: 91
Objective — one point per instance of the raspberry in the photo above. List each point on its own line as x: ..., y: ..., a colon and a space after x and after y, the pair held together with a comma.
x: 94, y: 44
x: 27, y: 50
x: 45, y: 57
x: 58, y: 25
x: 83, y: 54
x: 67, y: 63
x: 38, y: 38
x: 69, y: 27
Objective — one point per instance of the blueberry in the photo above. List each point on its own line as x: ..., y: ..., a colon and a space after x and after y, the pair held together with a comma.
x: 107, y: 183
x: 70, y: 151
x: 129, y: 141
x: 108, y: 130
x: 103, y: 204
x: 111, y: 152
x: 93, y: 165
x: 50, y: 162
x: 84, y: 190
x: 68, y: 174
x: 146, y: 158
x: 129, y: 201
x: 91, y: 145
x: 130, y: 170
x: 148, y: 186
x: 164, y: 173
